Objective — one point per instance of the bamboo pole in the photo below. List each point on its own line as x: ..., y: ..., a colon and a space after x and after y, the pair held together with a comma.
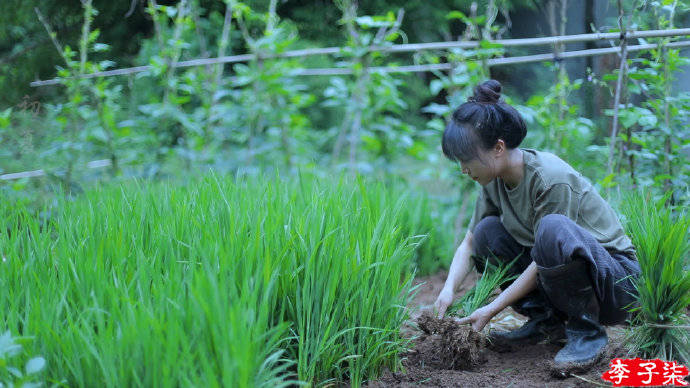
x: 619, y: 85
x: 396, y: 48
x: 491, y: 62
x: 447, y: 66
x: 36, y: 173
x: 667, y: 119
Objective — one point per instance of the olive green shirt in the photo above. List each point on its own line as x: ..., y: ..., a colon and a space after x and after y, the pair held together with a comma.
x: 550, y: 186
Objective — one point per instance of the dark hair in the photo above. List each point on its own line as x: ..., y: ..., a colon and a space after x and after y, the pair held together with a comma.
x: 481, y: 121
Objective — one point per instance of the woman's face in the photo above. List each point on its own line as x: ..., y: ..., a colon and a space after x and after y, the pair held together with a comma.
x: 479, y: 169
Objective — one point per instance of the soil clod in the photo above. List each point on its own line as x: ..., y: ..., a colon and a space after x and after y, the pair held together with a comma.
x: 461, y: 348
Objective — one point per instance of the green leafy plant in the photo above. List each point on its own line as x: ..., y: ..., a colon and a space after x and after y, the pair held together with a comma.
x: 557, y: 125
x: 11, y: 355
x: 269, y: 121
x: 370, y: 101
x: 653, y: 132
x: 659, y: 327
x: 492, y: 277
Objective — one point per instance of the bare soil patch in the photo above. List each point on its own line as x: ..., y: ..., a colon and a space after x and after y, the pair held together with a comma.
x: 464, y: 361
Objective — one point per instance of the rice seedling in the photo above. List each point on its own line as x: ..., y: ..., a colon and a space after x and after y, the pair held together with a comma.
x: 220, y: 282
x: 659, y: 325
x: 493, y: 276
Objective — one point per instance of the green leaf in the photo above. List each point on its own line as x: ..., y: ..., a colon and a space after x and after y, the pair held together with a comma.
x: 435, y: 86
x: 35, y: 365
x: 456, y: 15
x: 608, y: 181
x: 99, y: 47
x: 485, y: 44
x: 436, y: 109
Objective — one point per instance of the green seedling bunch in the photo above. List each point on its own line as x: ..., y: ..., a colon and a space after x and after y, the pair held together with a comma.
x: 240, y: 282
x: 659, y: 328
x: 493, y: 276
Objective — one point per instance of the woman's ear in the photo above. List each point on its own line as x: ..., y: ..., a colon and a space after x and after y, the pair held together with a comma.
x: 499, y: 148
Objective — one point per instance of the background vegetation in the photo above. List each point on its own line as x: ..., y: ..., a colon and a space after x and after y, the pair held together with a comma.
x: 158, y: 132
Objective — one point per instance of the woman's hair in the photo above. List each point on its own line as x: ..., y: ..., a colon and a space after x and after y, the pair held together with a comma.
x: 480, y: 122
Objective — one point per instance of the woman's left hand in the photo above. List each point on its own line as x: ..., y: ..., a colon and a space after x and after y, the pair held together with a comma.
x: 479, y: 318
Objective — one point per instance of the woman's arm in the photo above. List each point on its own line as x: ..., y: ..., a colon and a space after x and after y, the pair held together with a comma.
x: 462, y: 263
x: 526, y: 282
x: 459, y: 268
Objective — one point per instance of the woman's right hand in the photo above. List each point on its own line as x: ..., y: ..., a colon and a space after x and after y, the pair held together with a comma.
x: 459, y: 268
x: 445, y: 298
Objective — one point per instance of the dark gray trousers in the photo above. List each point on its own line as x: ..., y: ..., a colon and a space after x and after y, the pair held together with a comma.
x: 558, y: 241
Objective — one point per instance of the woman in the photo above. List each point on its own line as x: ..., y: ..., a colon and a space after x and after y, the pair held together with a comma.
x: 575, y: 262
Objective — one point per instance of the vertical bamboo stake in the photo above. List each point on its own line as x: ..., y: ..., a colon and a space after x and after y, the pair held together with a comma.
x: 358, y: 95
x: 561, y: 75
x: 471, y: 30
x: 621, y: 73
x: 153, y: 11
x: 491, y: 13
x: 195, y: 10
x: 83, y: 48
x: 284, y: 122
x: 179, y: 21
x: 218, y: 68
x: 224, y: 41
x: 85, y: 32
x: 353, y: 115
x: 71, y: 131
x: 667, y: 118
x: 562, y: 70
x: 255, y: 122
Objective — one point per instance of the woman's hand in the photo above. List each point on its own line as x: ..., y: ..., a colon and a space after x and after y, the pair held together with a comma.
x: 445, y: 298
x: 479, y: 318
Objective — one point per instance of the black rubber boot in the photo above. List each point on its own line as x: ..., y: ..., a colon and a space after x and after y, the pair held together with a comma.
x: 570, y: 290
x: 544, y: 324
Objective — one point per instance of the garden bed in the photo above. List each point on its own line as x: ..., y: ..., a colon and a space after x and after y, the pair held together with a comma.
x: 528, y: 367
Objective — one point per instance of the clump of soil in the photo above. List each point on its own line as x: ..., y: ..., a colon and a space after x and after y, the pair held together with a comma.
x: 526, y: 366
x: 454, y: 346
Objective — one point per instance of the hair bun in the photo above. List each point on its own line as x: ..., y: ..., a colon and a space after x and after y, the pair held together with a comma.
x: 488, y: 92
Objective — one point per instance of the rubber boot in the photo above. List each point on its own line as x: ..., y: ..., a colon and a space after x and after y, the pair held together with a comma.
x: 570, y: 290
x: 544, y: 323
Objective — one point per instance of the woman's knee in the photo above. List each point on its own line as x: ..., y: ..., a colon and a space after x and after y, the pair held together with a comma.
x: 546, y: 240
x: 549, y: 226
x: 485, y: 228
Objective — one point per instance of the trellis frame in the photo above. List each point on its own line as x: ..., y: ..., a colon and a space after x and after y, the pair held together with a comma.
x: 417, y: 47
x: 622, y: 36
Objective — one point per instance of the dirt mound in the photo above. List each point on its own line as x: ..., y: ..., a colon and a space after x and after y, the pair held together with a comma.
x: 526, y: 366
x: 456, y: 346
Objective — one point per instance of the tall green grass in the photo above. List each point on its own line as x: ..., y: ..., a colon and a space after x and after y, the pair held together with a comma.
x: 659, y: 325
x: 221, y: 282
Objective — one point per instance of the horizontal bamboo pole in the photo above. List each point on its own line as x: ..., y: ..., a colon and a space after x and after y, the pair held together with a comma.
x: 35, y: 173
x: 395, y: 48
x: 490, y: 62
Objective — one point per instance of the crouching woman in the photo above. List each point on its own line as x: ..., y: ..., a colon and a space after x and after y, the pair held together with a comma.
x: 576, y: 266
